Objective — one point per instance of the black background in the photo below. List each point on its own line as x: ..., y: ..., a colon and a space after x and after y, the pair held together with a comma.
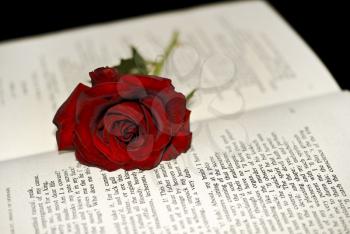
x: 323, y: 25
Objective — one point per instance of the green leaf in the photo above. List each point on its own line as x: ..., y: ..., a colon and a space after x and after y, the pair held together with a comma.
x: 134, y: 65
x: 125, y: 66
x: 140, y: 63
x: 190, y: 95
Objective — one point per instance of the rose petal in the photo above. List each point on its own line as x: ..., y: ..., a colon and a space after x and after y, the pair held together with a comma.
x: 176, y: 109
x: 103, y: 74
x: 125, y: 130
x: 147, y: 83
x: 141, y: 150
x: 113, y: 91
x: 155, y: 106
x: 88, y: 119
x: 126, y: 110
x: 174, y: 106
x: 90, y: 156
x: 65, y: 119
x: 161, y: 138
x: 101, y: 141
x: 118, y: 154
x: 181, y: 142
x: 105, y: 164
x: 150, y: 162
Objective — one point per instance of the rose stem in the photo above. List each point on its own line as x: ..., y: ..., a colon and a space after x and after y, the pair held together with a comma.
x: 173, y: 43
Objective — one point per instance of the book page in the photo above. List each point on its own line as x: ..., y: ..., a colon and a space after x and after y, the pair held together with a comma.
x: 278, y: 170
x: 239, y: 56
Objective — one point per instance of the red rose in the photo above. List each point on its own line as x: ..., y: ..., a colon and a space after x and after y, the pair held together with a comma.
x: 128, y: 121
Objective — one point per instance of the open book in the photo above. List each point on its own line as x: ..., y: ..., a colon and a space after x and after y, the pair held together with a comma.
x: 270, y: 131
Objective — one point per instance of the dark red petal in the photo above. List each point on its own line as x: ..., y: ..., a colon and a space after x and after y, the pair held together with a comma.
x: 119, y: 155
x: 86, y: 126
x: 141, y: 150
x: 86, y: 150
x: 170, y: 153
x: 155, y: 106
x: 128, y: 110
x: 83, y: 156
x: 124, y: 130
x: 174, y: 104
x: 161, y: 138
x: 103, y: 74
x: 130, y: 153
x: 101, y: 142
x: 65, y: 119
x: 176, y: 109
x: 113, y: 91
x: 181, y: 142
x: 139, y: 154
x: 87, y: 154
x: 147, y: 83
x: 186, y: 123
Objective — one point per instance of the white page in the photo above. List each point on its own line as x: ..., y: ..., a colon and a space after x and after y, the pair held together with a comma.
x: 240, y: 56
x: 279, y: 170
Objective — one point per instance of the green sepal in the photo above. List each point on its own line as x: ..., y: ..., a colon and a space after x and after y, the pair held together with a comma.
x: 134, y: 65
